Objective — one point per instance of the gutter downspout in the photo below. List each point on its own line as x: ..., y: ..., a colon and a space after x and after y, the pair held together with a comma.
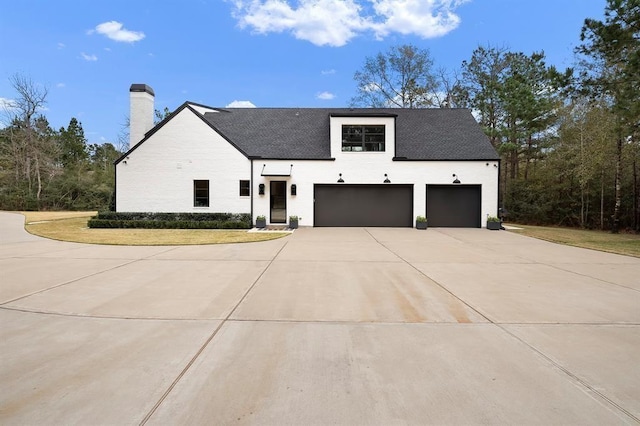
x: 115, y: 188
x: 501, y: 196
x: 252, y: 191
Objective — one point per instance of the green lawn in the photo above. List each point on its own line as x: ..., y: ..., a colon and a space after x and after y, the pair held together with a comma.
x: 627, y: 244
x: 72, y: 226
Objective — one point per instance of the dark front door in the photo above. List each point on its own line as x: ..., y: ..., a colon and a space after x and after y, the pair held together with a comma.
x: 454, y: 205
x: 363, y: 205
x: 278, y: 200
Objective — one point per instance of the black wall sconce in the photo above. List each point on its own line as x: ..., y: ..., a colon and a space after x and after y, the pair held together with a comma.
x: 294, y: 189
x: 455, y: 178
x: 340, y: 180
x: 386, y: 179
x: 261, y: 189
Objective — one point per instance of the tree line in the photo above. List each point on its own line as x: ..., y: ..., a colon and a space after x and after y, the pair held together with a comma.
x: 46, y: 169
x: 568, y: 139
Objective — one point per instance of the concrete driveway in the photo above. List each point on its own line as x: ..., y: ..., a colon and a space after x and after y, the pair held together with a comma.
x: 345, y: 326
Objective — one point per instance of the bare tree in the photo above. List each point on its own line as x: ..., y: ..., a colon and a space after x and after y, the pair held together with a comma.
x: 400, y: 78
x: 29, y: 141
x: 449, y: 93
x: 30, y: 100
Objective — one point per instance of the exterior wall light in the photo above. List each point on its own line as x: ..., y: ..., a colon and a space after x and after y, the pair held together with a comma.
x: 340, y: 180
x: 294, y: 189
x: 386, y: 179
x: 261, y: 189
x: 455, y: 178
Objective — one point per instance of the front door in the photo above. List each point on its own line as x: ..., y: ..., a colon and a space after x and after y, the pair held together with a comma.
x: 278, y: 195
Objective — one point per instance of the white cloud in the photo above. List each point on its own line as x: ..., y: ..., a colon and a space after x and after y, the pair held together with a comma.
x: 7, y: 107
x: 90, y: 58
x: 371, y: 87
x: 322, y: 22
x: 336, y: 22
x: 60, y: 85
x: 325, y: 96
x: 328, y: 72
x: 61, y: 46
x: 115, y: 31
x: 7, y: 104
x: 241, y: 104
x: 427, y: 19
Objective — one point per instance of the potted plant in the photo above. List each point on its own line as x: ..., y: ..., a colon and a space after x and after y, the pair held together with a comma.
x: 261, y: 221
x: 293, y: 222
x: 421, y: 222
x: 493, y: 223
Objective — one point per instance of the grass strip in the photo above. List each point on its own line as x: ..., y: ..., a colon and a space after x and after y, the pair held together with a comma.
x: 626, y: 244
x: 72, y: 227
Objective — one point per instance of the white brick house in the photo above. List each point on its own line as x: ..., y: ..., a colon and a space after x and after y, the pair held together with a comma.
x: 328, y: 166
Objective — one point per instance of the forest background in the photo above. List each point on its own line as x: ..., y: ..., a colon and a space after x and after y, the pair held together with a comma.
x: 568, y: 139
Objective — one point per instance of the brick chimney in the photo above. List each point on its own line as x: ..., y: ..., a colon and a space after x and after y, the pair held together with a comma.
x: 141, y: 112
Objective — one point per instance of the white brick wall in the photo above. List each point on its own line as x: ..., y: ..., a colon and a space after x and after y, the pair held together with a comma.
x: 158, y: 176
x: 141, y: 115
x: 358, y: 157
x: 371, y: 170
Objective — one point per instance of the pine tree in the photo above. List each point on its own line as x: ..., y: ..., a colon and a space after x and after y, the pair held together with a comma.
x: 611, y: 73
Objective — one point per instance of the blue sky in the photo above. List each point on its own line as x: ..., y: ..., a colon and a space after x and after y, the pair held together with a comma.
x: 271, y: 53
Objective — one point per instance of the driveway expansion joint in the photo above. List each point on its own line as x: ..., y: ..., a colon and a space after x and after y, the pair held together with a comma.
x: 571, y: 375
x: 275, y: 342
x: 208, y: 341
x: 44, y: 290
x: 474, y: 309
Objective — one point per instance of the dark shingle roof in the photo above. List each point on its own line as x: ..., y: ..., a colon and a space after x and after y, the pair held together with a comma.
x: 303, y: 133
x: 286, y: 133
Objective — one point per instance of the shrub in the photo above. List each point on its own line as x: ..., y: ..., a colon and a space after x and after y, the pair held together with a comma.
x: 171, y: 220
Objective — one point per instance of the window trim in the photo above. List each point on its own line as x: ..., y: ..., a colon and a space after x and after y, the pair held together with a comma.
x: 363, y: 143
x: 204, y: 201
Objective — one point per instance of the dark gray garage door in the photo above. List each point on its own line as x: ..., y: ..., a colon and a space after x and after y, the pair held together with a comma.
x: 363, y: 205
x: 454, y: 205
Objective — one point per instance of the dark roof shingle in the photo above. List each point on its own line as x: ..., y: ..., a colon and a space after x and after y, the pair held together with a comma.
x: 303, y: 133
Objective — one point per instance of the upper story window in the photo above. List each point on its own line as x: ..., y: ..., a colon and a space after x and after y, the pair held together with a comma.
x: 363, y: 138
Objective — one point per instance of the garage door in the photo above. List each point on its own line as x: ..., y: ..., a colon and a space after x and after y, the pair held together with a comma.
x: 454, y: 205
x: 363, y: 205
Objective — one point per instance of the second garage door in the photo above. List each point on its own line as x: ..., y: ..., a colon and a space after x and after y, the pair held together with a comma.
x: 454, y: 205
x: 363, y: 205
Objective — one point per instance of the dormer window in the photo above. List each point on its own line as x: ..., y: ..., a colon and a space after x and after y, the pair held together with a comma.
x: 358, y: 138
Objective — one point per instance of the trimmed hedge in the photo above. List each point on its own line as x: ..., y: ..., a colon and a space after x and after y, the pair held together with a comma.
x: 171, y: 220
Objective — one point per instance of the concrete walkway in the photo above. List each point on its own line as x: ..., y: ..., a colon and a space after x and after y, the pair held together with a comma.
x: 345, y: 326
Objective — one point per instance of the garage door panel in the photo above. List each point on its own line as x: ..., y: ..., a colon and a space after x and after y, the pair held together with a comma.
x: 363, y: 205
x: 454, y: 205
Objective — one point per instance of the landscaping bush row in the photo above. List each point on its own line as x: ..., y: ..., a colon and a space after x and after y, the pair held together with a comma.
x: 168, y: 224
x: 190, y: 217
x: 171, y: 220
